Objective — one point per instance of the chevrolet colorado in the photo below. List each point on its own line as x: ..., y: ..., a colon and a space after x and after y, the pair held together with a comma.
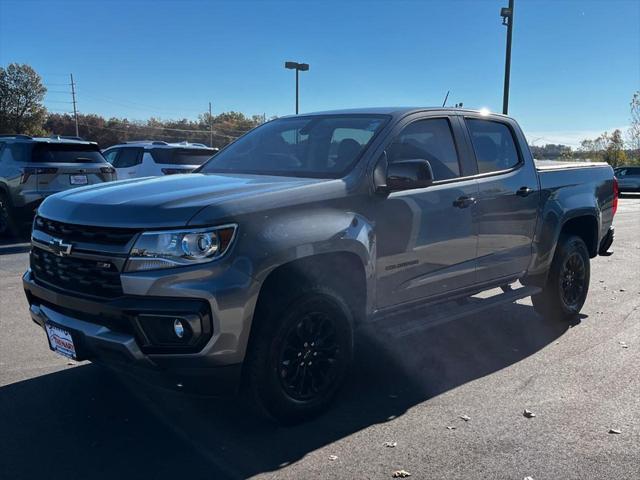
x: 253, y: 273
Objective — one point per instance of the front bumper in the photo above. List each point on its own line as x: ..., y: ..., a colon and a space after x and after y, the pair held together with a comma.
x: 102, y: 335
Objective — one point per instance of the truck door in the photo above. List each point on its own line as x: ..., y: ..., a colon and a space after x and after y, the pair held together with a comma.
x: 509, y: 197
x: 427, y: 237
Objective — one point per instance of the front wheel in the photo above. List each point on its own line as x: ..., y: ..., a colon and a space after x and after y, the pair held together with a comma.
x: 567, y: 284
x: 300, y: 355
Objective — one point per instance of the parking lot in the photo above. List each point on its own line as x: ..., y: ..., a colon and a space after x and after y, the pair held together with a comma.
x: 60, y: 419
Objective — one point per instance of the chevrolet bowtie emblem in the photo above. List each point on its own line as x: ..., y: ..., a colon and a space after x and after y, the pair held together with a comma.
x: 59, y: 247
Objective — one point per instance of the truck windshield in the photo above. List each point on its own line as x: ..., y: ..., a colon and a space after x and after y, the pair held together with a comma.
x: 322, y: 146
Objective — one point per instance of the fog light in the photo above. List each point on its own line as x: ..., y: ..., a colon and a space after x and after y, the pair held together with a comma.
x: 178, y: 328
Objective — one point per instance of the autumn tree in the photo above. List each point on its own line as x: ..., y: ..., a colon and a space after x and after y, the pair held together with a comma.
x: 21, y: 100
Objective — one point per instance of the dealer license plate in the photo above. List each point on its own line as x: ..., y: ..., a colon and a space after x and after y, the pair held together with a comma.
x: 78, y: 179
x: 60, y: 341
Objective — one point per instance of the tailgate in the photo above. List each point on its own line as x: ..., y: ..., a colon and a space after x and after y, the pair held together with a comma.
x: 60, y: 166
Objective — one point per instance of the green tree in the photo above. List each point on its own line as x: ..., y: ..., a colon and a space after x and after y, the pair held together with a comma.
x: 614, y: 153
x: 21, y: 97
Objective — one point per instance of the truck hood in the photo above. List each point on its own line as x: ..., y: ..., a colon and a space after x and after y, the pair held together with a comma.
x: 173, y: 200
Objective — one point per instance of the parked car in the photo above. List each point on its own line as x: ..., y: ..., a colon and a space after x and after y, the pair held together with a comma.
x: 32, y: 168
x: 255, y: 271
x: 628, y: 178
x: 145, y: 158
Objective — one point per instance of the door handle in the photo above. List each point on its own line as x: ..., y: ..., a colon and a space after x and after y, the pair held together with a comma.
x: 524, y: 191
x: 464, y: 202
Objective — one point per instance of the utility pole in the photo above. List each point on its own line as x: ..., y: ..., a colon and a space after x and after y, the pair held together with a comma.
x: 75, y: 110
x: 507, y: 19
x: 210, y: 127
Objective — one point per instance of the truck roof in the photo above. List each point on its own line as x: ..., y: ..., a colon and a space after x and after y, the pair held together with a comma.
x: 398, y: 111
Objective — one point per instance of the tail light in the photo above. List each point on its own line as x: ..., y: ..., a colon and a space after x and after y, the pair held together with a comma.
x: 172, y: 171
x: 28, y: 171
x: 107, y: 170
x: 616, y: 192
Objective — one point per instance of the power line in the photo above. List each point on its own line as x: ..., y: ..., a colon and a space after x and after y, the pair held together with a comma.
x: 134, y: 105
x: 142, y: 127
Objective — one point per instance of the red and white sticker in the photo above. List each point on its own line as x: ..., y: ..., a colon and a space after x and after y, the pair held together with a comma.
x: 60, y: 341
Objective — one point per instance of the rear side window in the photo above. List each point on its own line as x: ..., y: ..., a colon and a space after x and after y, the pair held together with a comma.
x: 128, y: 157
x: 181, y: 156
x: 493, y: 145
x: 430, y: 140
x: 66, y: 153
x: 110, y: 155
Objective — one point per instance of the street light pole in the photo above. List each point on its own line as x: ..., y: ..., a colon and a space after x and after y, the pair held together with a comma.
x: 507, y: 19
x: 298, y: 67
x: 297, y: 89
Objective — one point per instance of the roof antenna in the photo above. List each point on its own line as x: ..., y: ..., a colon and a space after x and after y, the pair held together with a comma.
x: 445, y: 99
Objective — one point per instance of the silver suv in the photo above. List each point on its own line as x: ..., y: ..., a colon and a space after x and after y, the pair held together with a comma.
x: 32, y: 168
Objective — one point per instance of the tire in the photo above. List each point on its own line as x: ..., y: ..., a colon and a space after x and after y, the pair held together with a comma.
x: 567, y: 284
x: 8, y: 227
x: 281, y: 380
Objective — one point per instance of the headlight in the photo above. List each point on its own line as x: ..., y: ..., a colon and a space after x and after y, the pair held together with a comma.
x: 176, y: 248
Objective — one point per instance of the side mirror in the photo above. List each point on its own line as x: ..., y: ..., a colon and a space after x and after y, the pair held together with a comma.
x: 408, y: 174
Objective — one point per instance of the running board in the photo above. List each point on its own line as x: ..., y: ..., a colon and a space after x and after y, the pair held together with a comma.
x: 424, y: 316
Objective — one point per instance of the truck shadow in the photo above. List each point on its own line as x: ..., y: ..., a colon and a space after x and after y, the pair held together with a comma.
x: 85, y: 422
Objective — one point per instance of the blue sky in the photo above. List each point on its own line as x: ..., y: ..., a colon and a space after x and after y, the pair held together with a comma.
x: 575, y: 63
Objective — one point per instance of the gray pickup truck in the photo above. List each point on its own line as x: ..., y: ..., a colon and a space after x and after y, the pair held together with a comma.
x: 252, y: 274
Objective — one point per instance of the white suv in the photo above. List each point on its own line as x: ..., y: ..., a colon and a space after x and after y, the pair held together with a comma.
x: 146, y: 158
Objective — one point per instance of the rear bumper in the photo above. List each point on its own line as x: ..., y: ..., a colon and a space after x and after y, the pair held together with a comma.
x: 606, y: 242
x: 110, y: 345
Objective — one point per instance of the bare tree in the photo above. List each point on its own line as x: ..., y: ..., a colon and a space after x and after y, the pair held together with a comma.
x: 633, y: 134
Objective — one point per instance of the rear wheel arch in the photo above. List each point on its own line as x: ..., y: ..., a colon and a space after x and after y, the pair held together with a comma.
x: 585, y: 227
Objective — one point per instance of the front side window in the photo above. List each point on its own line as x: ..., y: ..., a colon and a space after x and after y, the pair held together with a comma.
x: 430, y: 140
x: 493, y: 145
x: 321, y: 146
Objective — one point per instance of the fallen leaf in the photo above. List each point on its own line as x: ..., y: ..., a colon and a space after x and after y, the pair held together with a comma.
x: 616, y: 431
x: 333, y: 457
x: 466, y: 418
x: 390, y: 444
x: 401, y: 474
x: 528, y: 413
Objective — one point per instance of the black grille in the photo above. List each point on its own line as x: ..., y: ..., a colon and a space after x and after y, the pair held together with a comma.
x: 82, y: 233
x: 91, y: 277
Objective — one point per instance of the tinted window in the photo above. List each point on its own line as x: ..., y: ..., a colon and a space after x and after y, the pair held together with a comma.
x: 430, y: 140
x: 66, y: 153
x: 493, y: 144
x: 181, y: 156
x: 128, y: 157
x: 324, y: 146
x: 110, y: 155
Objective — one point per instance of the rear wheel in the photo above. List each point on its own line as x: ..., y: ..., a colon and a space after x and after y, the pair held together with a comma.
x: 300, y: 355
x: 8, y: 227
x: 567, y: 284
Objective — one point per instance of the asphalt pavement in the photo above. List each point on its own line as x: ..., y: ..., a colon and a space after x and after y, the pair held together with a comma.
x: 59, y: 419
